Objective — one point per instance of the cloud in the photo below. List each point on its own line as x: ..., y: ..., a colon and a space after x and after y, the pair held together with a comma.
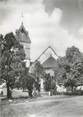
x: 4, y: 13
x: 3, y: 0
x: 7, y: 7
x: 20, y: 1
x: 72, y: 13
x: 44, y: 29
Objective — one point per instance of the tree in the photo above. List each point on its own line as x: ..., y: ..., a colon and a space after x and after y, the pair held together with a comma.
x: 70, y: 83
x: 11, y: 63
x: 77, y: 72
x: 73, y: 55
x: 37, y: 70
x: 50, y: 84
x: 75, y: 59
x: 47, y: 83
x: 70, y: 67
x: 29, y: 84
x: 27, y: 81
x: 62, y: 68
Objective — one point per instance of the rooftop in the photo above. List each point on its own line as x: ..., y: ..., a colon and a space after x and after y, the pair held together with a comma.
x: 50, y: 63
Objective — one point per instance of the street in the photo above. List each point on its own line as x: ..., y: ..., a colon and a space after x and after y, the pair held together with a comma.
x: 48, y: 106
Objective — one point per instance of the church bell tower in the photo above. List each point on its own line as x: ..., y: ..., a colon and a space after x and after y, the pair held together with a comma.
x: 23, y: 37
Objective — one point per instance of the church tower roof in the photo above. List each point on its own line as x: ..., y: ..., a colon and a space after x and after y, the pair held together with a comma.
x: 22, y: 34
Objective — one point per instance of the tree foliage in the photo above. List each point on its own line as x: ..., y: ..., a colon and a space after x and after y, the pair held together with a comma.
x: 70, y: 68
x: 11, y: 60
x: 37, y: 69
x: 47, y: 83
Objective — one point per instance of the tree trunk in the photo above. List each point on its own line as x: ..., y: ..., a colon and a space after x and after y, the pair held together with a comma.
x: 30, y: 93
x: 9, y: 96
x: 72, y: 89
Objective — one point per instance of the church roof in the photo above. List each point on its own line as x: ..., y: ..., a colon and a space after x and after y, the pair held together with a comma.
x: 50, y: 63
x: 22, y: 34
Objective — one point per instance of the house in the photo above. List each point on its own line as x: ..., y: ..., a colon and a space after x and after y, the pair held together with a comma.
x: 49, y: 65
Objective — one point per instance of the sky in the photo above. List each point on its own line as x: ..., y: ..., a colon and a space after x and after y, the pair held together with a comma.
x: 56, y: 23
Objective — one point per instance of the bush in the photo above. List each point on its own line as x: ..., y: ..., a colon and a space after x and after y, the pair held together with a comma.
x: 77, y: 92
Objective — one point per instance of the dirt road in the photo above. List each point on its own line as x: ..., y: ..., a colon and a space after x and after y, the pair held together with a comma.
x: 55, y: 106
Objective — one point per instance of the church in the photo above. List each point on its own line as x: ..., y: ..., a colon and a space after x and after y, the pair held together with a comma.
x: 48, y: 64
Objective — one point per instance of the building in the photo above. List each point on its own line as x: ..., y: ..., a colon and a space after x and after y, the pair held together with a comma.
x: 49, y: 65
x: 22, y: 36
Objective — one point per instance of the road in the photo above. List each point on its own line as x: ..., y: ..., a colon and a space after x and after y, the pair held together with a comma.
x: 49, y: 106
